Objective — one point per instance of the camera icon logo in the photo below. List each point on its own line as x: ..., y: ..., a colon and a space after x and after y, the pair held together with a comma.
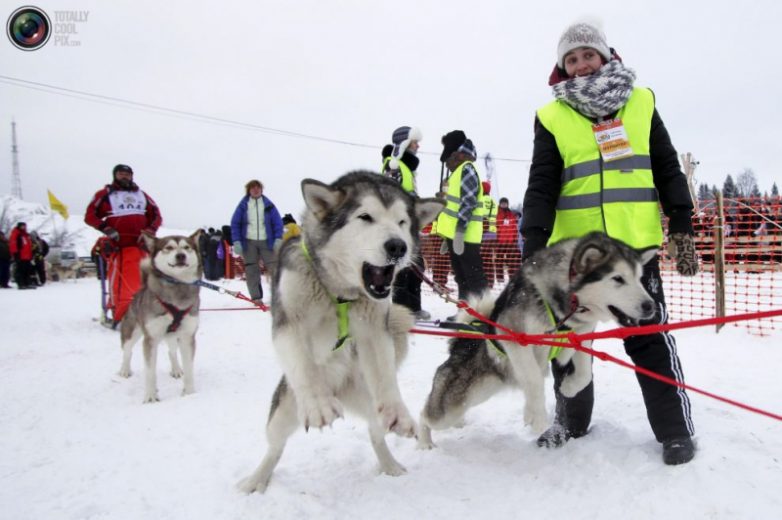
x: 29, y: 28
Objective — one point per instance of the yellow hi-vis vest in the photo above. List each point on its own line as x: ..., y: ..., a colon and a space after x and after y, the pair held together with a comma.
x: 408, y: 182
x: 448, y: 218
x: 490, y: 218
x: 616, y: 197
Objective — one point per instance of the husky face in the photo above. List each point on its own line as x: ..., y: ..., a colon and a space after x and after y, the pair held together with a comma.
x: 608, y: 280
x: 176, y: 255
x: 362, y: 230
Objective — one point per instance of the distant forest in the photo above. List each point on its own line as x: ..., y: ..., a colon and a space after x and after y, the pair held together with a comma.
x: 744, y: 187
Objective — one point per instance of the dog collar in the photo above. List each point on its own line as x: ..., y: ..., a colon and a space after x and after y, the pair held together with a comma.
x: 343, y: 306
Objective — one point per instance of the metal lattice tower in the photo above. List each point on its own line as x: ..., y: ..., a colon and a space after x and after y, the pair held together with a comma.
x: 16, y: 179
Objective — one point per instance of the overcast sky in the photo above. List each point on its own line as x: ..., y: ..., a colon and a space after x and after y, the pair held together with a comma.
x: 353, y: 71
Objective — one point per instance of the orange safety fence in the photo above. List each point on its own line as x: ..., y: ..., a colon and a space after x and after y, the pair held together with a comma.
x: 752, y: 241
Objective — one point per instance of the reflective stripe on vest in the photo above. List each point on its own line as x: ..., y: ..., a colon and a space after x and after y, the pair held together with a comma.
x: 617, y: 197
x: 449, y: 216
x: 490, y: 219
x: 408, y: 182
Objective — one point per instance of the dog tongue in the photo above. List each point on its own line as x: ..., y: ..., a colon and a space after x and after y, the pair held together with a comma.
x: 379, y: 278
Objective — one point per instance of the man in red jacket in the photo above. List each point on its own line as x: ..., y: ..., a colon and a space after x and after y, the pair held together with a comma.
x: 508, y: 254
x: 122, y: 211
x: 21, y: 246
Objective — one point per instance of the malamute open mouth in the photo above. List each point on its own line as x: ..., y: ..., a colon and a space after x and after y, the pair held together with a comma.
x: 377, y: 280
x: 623, y: 319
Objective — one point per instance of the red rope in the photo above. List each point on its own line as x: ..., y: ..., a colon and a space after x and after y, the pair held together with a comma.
x: 575, y: 341
x: 239, y: 295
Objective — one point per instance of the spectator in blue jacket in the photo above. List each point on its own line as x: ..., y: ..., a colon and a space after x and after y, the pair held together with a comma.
x: 256, y: 229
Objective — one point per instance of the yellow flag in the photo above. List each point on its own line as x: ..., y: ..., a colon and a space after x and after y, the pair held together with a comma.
x: 57, y: 206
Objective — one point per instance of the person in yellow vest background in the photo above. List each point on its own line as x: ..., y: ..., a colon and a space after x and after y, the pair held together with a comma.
x: 290, y: 228
x: 577, y: 185
x: 400, y: 162
x: 460, y: 223
x: 489, y: 240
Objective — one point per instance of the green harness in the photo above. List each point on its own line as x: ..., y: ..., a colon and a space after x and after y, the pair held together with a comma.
x: 343, y: 306
x: 558, y: 329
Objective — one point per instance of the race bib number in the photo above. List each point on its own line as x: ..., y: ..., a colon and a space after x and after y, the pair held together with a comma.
x: 612, y: 140
x: 127, y: 203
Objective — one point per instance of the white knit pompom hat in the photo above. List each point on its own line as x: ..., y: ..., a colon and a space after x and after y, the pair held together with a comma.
x: 401, y: 139
x: 582, y: 34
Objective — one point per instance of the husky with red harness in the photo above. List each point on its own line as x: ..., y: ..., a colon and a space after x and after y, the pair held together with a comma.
x: 121, y: 211
x: 165, y: 308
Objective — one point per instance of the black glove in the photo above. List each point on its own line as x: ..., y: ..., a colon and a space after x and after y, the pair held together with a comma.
x: 681, y: 248
x: 17, y: 257
x: 111, y: 233
x: 535, y: 239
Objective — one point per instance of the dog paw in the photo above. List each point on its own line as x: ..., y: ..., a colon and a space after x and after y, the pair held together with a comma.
x: 535, y: 418
x: 176, y: 373
x: 424, y: 438
x: 317, y: 412
x: 188, y: 391
x: 125, y: 372
x: 395, y: 418
x: 151, y: 398
x: 393, y: 468
x: 252, y: 485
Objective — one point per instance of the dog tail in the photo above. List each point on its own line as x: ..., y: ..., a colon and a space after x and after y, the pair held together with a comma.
x: 483, y: 304
x: 467, y: 348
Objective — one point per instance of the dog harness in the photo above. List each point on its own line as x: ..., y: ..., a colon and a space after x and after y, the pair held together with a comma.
x: 176, y: 313
x: 342, y: 305
x: 558, y: 328
x: 475, y: 327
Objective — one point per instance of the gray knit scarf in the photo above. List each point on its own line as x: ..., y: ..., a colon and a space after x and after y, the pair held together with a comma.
x: 598, y: 94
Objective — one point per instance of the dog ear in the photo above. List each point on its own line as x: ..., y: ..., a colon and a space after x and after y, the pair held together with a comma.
x: 320, y: 198
x: 147, y: 241
x: 427, y: 210
x: 195, y: 236
x: 648, y: 254
x: 590, y: 253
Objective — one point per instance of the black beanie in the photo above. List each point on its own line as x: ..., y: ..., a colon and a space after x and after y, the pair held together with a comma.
x: 122, y: 168
x: 451, y: 142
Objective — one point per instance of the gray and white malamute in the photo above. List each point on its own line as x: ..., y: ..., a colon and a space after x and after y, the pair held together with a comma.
x: 594, y: 277
x: 165, y: 308
x: 336, y: 333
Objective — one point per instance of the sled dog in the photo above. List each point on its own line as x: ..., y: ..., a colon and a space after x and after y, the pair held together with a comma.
x: 337, y: 336
x: 595, y: 277
x: 165, y: 308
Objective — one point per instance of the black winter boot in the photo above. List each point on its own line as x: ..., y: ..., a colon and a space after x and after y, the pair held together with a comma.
x: 557, y: 436
x: 679, y: 450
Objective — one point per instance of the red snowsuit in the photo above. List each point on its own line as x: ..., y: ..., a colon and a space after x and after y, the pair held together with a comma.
x: 508, y: 254
x: 129, y: 211
x: 20, y: 243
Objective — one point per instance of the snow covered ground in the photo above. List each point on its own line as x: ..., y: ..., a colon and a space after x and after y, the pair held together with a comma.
x: 77, y: 443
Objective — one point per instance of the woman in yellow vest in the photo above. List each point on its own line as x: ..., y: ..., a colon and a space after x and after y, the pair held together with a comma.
x: 603, y: 160
x: 400, y: 162
x: 460, y: 223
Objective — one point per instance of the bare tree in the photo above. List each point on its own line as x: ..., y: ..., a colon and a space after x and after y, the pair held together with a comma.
x: 747, y: 184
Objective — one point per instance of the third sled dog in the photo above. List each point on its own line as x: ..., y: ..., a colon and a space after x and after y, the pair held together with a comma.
x: 165, y: 308
x: 601, y: 274
x: 336, y: 333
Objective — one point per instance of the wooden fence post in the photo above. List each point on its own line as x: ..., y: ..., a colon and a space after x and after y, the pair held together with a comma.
x: 719, y: 261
